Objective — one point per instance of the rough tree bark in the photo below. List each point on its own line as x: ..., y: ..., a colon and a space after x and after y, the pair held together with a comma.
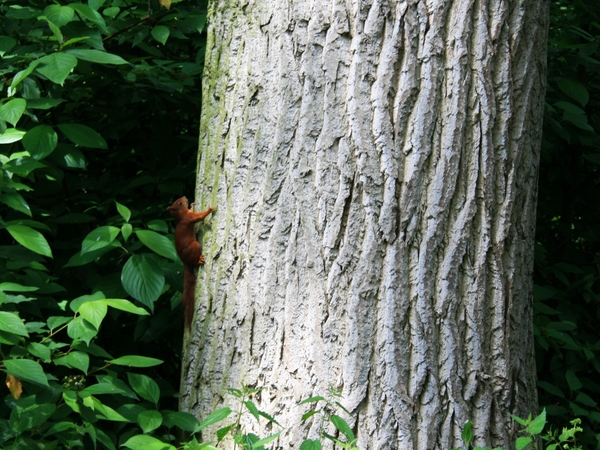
x: 375, y: 168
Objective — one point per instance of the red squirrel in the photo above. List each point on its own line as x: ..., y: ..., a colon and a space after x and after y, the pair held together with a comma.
x: 189, y: 251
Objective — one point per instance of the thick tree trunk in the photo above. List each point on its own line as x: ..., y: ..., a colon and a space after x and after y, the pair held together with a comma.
x: 375, y: 168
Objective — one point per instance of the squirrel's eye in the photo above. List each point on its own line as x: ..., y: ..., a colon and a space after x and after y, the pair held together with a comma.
x: 180, y: 203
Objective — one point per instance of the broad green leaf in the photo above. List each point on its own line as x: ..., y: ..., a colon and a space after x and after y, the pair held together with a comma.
x: 99, y: 238
x: 16, y: 202
x: 11, y: 135
x: 55, y: 31
x: 91, y: 15
x: 43, y: 103
x: 266, y: 440
x: 83, y: 135
x: 311, y: 444
x: 146, y: 442
x: 39, y: 350
x: 59, y: 15
x: 181, y: 419
x: 31, y: 239
x: 22, y: 12
x: 16, y: 287
x: 311, y: 400
x: 21, y: 75
x: 149, y: 420
x: 522, y: 442
x: 136, y: 361
x: 125, y: 305
x: 111, y: 12
x: 537, y: 425
x: 158, y: 225
x: 76, y: 303
x: 101, y: 388
x: 81, y: 329
x: 27, y: 370
x: 12, y: 110
x: 104, y: 410
x: 124, y: 211
x: 76, y: 360
x: 586, y: 400
x: 6, y: 44
x: 573, y: 380
x: 160, y: 33
x: 575, y: 90
x: 252, y: 408
x: 467, y: 433
x: 40, y: 141
x: 10, y: 322
x: 93, y: 312
x: 57, y: 66
x: 126, y: 231
x: 97, y: 56
x: 214, y: 417
x: 79, y: 260
x: 157, y: 243
x: 343, y: 426
x: 145, y: 386
x: 143, y: 279
x: 96, y: 4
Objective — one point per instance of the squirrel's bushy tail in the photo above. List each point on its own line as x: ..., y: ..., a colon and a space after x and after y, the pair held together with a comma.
x: 187, y: 297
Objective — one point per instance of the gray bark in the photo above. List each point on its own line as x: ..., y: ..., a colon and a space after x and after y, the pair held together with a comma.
x: 374, y: 164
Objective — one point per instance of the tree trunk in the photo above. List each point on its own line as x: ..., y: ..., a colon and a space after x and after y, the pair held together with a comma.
x: 374, y: 164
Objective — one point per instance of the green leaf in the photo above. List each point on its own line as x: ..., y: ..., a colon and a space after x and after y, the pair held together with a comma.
x: 522, y: 442
x: 43, y: 103
x: 97, y: 56
x: 145, y: 386
x: 572, y: 380
x: 158, y: 243
x: 40, y: 141
x: 126, y: 231
x: 214, y: 417
x: 266, y: 440
x: 16, y: 202
x: 467, y: 433
x: 57, y: 66
x: 311, y: 400
x: 575, y: 90
x: 26, y: 369
x: 91, y: 15
x: 93, y: 312
x: 11, y: 135
x: 39, y: 350
x: 99, y: 238
x: 83, y: 135
x: 143, y: 279
x: 16, y: 287
x: 76, y: 360
x: 6, y: 44
x: 31, y: 239
x: 81, y: 329
x: 252, y: 408
x: 311, y: 444
x: 181, y: 419
x: 12, y: 110
x: 21, y: 75
x: 145, y: 442
x: 125, y: 305
x: 160, y: 33
x: 537, y: 425
x: 59, y: 15
x: 10, y: 322
x: 343, y: 426
x: 149, y: 420
x: 124, y: 211
x: 111, y: 12
x: 136, y: 361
